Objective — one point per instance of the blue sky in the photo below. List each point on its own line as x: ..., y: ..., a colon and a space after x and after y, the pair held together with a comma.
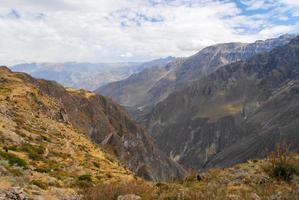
x: 134, y: 30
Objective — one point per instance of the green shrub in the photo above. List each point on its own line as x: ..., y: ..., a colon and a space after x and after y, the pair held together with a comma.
x: 40, y: 184
x: 282, y: 165
x: 32, y: 148
x: 283, y: 171
x: 13, y: 159
x: 97, y: 165
x: 42, y: 170
x: 84, y: 181
x: 35, y: 152
x: 11, y: 148
x: 85, y: 177
x: 35, y: 156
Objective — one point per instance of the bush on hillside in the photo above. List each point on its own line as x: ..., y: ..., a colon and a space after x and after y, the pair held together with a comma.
x: 35, y: 152
x: 85, y: 177
x: 13, y: 159
x: 282, y: 165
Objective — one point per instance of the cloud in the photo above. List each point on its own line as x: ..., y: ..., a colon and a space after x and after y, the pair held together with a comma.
x: 131, y: 30
x: 126, y: 55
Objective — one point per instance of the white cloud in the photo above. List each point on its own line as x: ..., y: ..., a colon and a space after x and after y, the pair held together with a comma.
x: 126, y: 30
x: 126, y: 55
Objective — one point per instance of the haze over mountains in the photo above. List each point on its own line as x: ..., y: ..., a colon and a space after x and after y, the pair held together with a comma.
x: 88, y: 76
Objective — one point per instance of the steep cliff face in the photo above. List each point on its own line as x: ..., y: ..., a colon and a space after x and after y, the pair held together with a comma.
x: 234, y: 113
x: 107, y: 125
x: 140, y: 92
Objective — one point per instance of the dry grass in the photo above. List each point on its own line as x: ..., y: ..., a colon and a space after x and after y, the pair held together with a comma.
x: 282, y: 164
x: 110, y: 191
x: 41, y: 151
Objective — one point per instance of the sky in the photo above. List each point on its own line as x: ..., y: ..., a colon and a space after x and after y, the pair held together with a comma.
x: 134, y: 30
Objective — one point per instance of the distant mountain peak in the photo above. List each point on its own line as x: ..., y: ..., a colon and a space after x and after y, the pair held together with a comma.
x: 86, y: 75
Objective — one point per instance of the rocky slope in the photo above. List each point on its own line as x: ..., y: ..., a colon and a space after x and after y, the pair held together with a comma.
x: 97, y: 117
x: 86, y: 75
x: 233, y: 114
x: 43, y: 156
x: 133, y: 92
x: 140, y: 92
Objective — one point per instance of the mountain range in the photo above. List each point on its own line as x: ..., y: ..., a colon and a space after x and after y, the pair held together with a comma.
x: 236, y: 113
x: 214, y: 108
x: 86, y: 75
x: 227, y: 104
x: 140, y: 92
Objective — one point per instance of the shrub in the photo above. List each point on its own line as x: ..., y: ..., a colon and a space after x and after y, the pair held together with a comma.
x: 190, y: 177
x: 84, y: 181
x: 13, y: 159
x: 35, y: 156
x: 85, y: 177
x: 40, y: 184
x: 42, y: 170
x: 97, y: 165
x: 35, y: 152
x: 32, y: 148
x: 11, y: 148
x: 282, y: 165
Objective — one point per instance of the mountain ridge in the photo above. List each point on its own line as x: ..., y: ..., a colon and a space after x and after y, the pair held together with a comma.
x: 180, y: 73
x: 107, y: 124
x: 225, y: 113
x: 41, y: 152
x: 86, y: 75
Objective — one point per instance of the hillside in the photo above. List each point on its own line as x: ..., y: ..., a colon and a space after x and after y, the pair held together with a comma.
x: 41, y: 153
x: 253, y: 180
x: 96, y: 117
x: 142, y: 91
x: 234, y: 114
